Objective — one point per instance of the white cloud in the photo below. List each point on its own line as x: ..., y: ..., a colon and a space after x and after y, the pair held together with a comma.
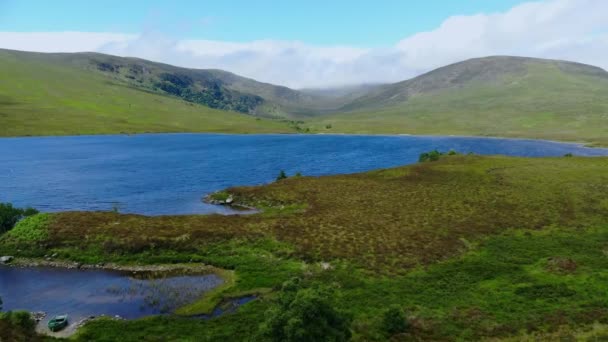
x: 60, y: 41
x: 563, y: 29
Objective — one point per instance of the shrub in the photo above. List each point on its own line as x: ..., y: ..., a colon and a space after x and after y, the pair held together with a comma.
x: 430, y: 156
x: 393, y: 320
x: 568, y: 155
x: 282, y: 175
x: 9, y: 216
x: 305, y: 314
x: 32, y: 228
x: 17, y: 326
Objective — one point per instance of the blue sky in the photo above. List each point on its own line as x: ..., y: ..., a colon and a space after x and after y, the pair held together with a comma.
x: 313, y: 43
x: 358, y: 23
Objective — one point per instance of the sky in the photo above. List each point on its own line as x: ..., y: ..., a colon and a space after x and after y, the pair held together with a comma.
x: 313, y: 43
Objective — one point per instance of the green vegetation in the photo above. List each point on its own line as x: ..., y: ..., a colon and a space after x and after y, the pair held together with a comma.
x: 305, y: 314
x: 9, y: 216
x: 31, y: 229
x: 55, y: 95
x: 394, y: 321
x: 17, y: 326
x: 494, y: 96
x: 282, y: 175
x: 466, y: 248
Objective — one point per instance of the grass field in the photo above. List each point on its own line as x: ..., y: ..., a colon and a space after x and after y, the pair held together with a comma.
x: 471, y: 247
x: 40, y: 97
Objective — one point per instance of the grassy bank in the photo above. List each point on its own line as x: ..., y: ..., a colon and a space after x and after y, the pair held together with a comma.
x: 470, y: 247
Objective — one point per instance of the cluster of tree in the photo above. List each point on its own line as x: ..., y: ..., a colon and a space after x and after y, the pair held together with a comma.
x: 305, y: 314
x: 212, y: 94
x: 434, y: 155
x: 9, y: 216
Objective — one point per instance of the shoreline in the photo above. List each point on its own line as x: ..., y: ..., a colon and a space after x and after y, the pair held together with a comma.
x: 580, y: 143
x: 134, y: 269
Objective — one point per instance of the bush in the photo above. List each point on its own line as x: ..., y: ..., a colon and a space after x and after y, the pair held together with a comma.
x: 434, y: 155
x: 9, y: 216
x: 17, y: 326
x: 393, y: 320
x: 282, y: 175
x: 430, y: 156
x: 32, y: 228
x: 305, y: 314
x: 568, y: 155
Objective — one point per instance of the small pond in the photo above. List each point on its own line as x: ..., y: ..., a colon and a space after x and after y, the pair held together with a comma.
x: 84, y: 293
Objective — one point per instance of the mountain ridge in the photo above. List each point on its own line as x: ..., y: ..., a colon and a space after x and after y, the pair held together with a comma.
x: 491, y: 96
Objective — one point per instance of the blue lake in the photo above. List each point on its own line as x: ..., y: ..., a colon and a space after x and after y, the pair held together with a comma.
x: 158, y: 174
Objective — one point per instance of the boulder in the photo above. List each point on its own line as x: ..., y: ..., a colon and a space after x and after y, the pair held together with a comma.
x: 6, y: 259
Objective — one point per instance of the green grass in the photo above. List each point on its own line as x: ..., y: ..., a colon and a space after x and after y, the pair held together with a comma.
x: 501, y: 288
x: 31, y: 229
x: 470, y: 247
x: 545, y: 103
x: 64, y: 94
x: 43, y: 97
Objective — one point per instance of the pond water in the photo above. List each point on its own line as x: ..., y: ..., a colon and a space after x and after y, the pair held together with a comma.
x: 82, y: 293
x: 158, y: 174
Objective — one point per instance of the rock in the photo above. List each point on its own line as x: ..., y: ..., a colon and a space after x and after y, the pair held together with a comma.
x: 326, y: 266
x: 38, y: 315
x: 54, y: 255
x: 229, y: 200
x: 6, y: 259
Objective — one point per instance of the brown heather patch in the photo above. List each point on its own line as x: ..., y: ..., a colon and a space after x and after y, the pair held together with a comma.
x: 386, y: 220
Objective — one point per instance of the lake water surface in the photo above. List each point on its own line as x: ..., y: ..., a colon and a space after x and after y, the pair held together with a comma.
x: 158, y: 174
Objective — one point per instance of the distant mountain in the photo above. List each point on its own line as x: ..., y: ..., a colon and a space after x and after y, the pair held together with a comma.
x: 498, y: 71
x: 505, y: 96
x: 86, y: 93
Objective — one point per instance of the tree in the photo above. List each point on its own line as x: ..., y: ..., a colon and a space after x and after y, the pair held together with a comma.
x: 282, y: 175
x: 305, y: 315
x: 393, y: 320
x: 9, y: 216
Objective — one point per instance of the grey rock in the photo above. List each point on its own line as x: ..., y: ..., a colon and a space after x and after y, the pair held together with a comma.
x: 6, y: 259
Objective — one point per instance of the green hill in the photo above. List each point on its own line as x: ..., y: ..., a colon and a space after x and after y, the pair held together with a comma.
x: 60, y: 94
x: 91, y: 93
x: 494, y: 96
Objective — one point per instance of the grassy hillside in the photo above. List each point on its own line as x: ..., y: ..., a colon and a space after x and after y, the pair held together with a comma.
x: 39, y: 96
x: 470, y: 247
x: 495, y: 96
x: 212, y: 88
x: 90, y: 93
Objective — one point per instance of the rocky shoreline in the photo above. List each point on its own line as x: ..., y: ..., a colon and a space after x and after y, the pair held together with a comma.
x: 161, y: 269
x: 229, y: 201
